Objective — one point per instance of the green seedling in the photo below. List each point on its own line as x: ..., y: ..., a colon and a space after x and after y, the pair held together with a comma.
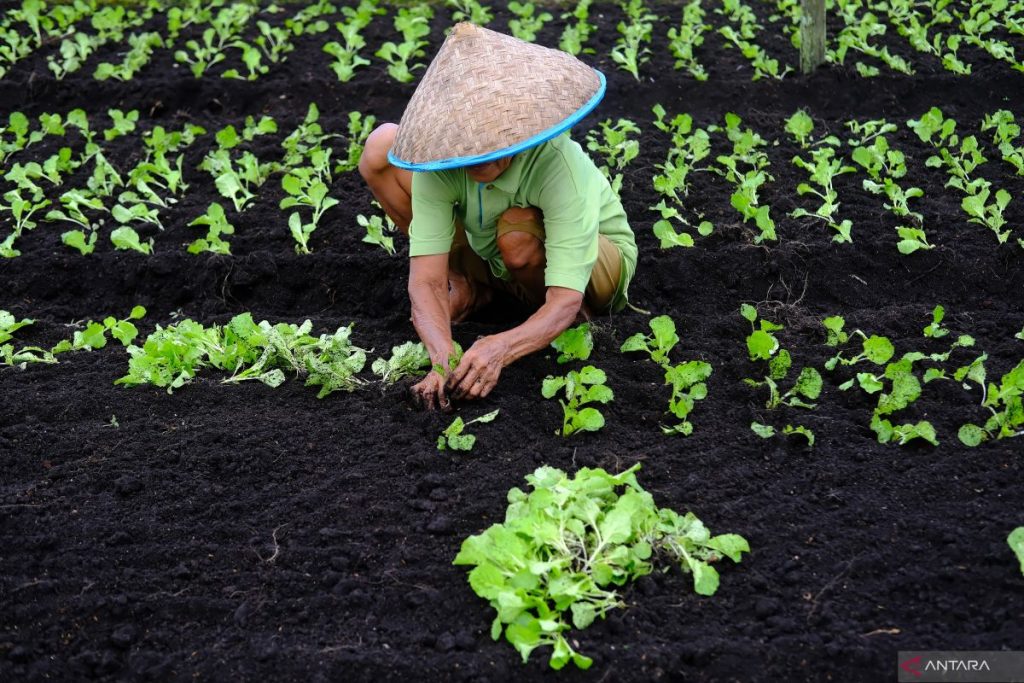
x: 94, y: 334
x: 684, y: 40
x: 409, y: 359
x: 576, y: 34
x: 1016, y: 542
x: 658, y: 344
x: 761, y: 343
x: 935, y: 330
x: 580, y: 388
x: 616, y: 147
x: 453, y: 438
x: 123, y: 123
x: 470, y: 10
x: 688, y: 382
x: 808, y: 383
x: 216, y: 225
x: 10, y: 324
x: 375, y: 229
x: 346, y: 54
x: 528, y: 21
x: 556, y: 560
x: 767, y: 431
x: 21, y: 206
x: 1003, y: 401
x: 575, y: 343
x: 630, y: 51
x: 876, y: 349
x: 834, y: 330
x: 125, y: 238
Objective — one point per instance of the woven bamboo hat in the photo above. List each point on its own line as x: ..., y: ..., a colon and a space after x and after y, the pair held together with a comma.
x: 488, y: 95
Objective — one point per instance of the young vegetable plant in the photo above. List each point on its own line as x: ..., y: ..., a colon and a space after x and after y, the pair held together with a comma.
x: 616, y: 147
x: 580, y: 388
x: 576, y: 34
x: 359, y: 128
x: 470, y: 10
x: 9, y: 324
x: 689, y: 147
x: 576, y: 343
x: 630, y: 50
x: 216, y: 225
x: 1016, y: 542
x: 528, y: 21
x: 414, y: 25
x: 767, y: 431
x: 94, y: 334
x: 689, y: 36
x: 745, y: 168
x: 763, y: 345
x: 75, y: 203
x: 453, y: 437
x: 21, y: 207
x: 305, y: 188
x: 1003, y: 401
x: 658, y: 344
x: 688, y: 386
x: 409, y: 359
x: 555, y: 561
x: 375, y: 229
x: 823, y: 168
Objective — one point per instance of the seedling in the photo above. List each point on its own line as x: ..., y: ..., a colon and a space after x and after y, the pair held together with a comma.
x: 126, y: 238
x: 409, y: 359
x: 576, y: 343
x: 767, y: 431
x: 575, y: 35
x: 470, y: 10
x: 658, y: 344
x: 94, y: 334
x: 123, y: 123
x: 689, y: 36
x: 216, y: 225
x: 1003, y: 401
x: 761, y: 343
x: 935, y: 329
x: 453, y: 438
x: 1016, y: 542
x: 580, y: 388
x: 555, y: 561
x: 10, y: 324
x: 630, y: 50
x: 528, y: 21
x: 823, y: 168
x: 616, y: 147
x: 688, y: 386
x: 375, y: 229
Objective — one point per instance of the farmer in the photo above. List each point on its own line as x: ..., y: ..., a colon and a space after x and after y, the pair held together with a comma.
x: 493, y: 194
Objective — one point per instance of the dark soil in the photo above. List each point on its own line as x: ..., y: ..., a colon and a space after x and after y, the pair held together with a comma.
x: 248, y: 533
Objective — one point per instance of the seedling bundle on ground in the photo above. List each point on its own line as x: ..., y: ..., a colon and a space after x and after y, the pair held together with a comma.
x: 830, y: 367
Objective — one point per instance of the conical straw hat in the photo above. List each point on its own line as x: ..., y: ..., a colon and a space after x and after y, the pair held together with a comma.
x: 487, y: 95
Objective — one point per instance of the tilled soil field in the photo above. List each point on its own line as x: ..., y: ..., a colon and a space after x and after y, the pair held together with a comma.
x: 247, y: 533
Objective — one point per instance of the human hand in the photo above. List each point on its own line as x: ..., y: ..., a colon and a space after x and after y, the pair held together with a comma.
x: 478, y: 371
x: 429, y: 393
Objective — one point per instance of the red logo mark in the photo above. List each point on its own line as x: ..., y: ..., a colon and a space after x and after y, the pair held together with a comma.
x: 910, y: 666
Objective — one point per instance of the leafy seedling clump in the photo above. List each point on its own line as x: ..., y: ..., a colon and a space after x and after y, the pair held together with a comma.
x: 564, y: 548
x: 453, y: 437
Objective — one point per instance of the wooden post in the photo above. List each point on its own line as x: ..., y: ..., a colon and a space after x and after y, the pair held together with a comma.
x: 812, y: 34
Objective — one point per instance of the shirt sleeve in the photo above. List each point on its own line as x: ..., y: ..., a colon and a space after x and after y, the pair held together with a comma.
x: 571, y: 220
x: 433, y: 215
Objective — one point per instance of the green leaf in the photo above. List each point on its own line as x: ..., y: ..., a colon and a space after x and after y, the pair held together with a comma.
x: 575, y: 343
x: 1016, y: 542
x: 761, y: 345
x: 972, y: 435
x: 762, y: 430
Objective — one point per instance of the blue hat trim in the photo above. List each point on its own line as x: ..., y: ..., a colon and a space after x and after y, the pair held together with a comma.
x: 544, y: 136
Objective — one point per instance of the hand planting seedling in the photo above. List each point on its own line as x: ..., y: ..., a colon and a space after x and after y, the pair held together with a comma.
x: 576, y: 343
x: 453, y: 438
x: 580, y: 388
x: 556, y: 560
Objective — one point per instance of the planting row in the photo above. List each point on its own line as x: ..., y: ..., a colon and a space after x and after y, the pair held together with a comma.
x: 173, y: 356
x: 255, y: 37
x: 79, y: 189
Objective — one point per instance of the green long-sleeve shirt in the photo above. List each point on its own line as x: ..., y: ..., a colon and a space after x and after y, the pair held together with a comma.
x: 556, y: 177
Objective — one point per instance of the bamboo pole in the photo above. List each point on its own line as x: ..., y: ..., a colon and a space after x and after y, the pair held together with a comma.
x: 812, y: 35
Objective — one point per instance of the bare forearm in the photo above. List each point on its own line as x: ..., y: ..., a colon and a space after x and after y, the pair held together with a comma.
x: 558, y: 313
x: 432, y: 319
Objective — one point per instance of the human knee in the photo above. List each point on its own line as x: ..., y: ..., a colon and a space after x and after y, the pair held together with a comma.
x: 374, y: 158
x: 521, y: 250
